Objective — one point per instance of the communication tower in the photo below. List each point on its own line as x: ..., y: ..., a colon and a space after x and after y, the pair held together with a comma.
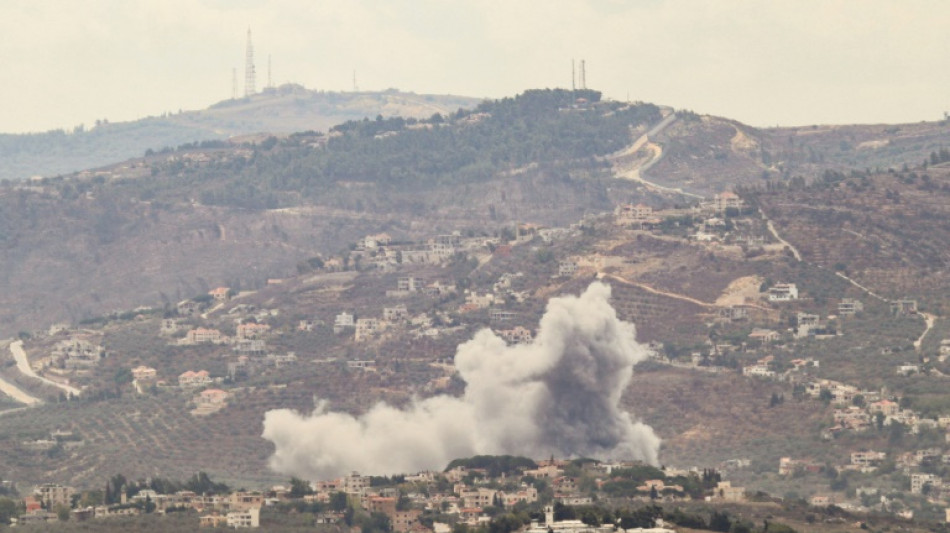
x: 583, y: 77
x: 234, y: 85
x: 573, y: 76
x: 249, y: 67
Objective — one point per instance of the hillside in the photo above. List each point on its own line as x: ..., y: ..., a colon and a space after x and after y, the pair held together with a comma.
x: 152, y: 229
x: 207, y: 285
x: 279, y: 111
x: 706, y: 155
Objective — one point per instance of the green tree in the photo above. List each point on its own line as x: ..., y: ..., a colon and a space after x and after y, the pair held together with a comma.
x: 8, y: 510
x: 720, y: 521
x: 62, y: 513
x: 338, y: 501
x: 299, y: 487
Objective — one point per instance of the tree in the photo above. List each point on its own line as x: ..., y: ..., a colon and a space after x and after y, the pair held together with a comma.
x: 201, y: 483
x: 299, y: 487
x: 563, y: 512
x: 719, y: 521
x: 62, y: 513
x: 338, y: 501
x: 8, y: 510
x: 775, y: 400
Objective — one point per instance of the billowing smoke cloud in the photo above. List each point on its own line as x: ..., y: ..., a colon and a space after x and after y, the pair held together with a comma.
x: 559, y: 395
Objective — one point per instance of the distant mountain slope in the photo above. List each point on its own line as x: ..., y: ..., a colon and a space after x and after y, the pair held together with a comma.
x: 174, y: 224
x: 286, y: 109
x: 706, y: 155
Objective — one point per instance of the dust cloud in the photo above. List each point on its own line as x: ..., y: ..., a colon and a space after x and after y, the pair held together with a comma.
x: 558, y: 395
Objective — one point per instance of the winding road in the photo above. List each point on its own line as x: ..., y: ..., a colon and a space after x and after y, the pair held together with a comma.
x: 23, y: 364
x: 635, y: 172
x: 929, y: 320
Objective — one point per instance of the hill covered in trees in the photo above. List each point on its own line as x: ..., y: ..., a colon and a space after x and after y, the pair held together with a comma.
x: 280, y: 111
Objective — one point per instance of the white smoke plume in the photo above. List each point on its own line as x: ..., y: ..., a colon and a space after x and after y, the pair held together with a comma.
x: 558, y: 395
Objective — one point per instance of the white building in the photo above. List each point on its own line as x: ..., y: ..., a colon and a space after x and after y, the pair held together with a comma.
x: 248, y: 518
x: 783, y: 292
x: 342, y: 321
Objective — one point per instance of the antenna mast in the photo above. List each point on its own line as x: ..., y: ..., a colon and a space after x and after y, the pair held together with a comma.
x: 573, y: 76
x: 583, y: 80
x: 249, y: 67
x: 234, y: 85
x: 356, y: 88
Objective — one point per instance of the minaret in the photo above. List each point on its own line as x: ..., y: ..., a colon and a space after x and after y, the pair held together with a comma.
x: 249, y: 67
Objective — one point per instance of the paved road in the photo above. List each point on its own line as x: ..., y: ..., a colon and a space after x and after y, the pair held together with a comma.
x: 929, y: 320
x: 23, y: 364
x: 18, y: 394
x: 778, y: 237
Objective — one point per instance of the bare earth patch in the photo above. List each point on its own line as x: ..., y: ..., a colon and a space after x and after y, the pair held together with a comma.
x: 739, y: 290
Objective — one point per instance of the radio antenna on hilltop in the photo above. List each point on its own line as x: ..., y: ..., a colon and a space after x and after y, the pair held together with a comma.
x: 583, y: 77
x: 573, y: 76
x: 356, y: 88
x: 234, y: 85
x: 249, y: 77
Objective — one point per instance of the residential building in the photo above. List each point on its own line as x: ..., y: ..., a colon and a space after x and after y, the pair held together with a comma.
x: 567, y: 268
x: 367, y: 328
x: 783, y: 292
x: 409, y: 284
x: 342, y: 321
x: 629, y: 214
x: 849, y: 307
x: 241, y: 519
x: 212, y: 397
x: 918, y: 480
x: 500, y: 315
x: 758, y: 369
x: 221, y: 294
x: 479, y: 301
x: 53, y: 495
x: 355, y: 483
x: 867, y: 458
x: 144, y: 373
x: 194, y: 379
x: 252, y: 330
x: 726, y: 492
x: 904, y: 307
x: 885, y: 407
x: 189, y: 308
x: 516, y: 335
x: 204, y: 336
x: 398, y: 313
x: 169, y: 326
x: 726, y: 200
x: 764, y: 336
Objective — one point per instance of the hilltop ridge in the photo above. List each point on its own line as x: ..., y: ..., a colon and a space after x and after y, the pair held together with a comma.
x: 279, y: 111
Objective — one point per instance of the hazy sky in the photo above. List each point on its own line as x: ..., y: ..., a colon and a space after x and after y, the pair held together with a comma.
x: 764, y: 62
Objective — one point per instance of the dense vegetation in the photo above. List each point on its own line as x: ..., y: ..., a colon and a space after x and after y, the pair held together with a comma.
x: 544, y: 127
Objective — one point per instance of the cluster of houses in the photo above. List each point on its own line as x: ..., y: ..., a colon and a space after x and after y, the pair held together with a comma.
x: 78, y: 353
x: 463, y: 493
x: 931, y: 485
x: 240, y: 509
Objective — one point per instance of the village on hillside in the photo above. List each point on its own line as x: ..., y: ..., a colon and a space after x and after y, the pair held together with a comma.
x: 354, y: 312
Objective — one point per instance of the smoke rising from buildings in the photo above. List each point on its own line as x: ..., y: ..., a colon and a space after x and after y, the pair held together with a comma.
x: 558, y: 395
